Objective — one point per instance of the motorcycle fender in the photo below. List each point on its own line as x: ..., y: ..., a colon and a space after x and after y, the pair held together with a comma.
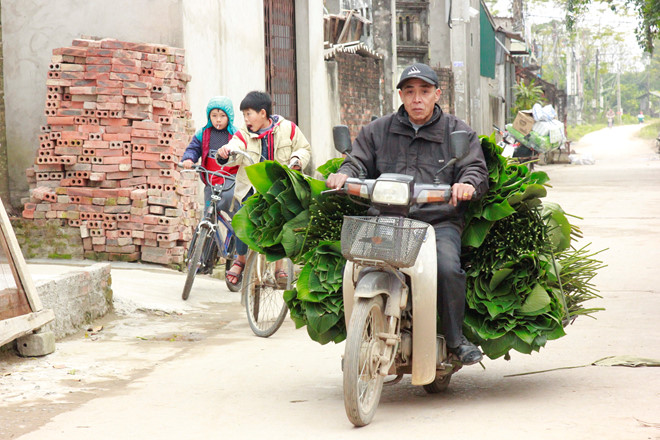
x: 424, y: 280
x: 371, y: 283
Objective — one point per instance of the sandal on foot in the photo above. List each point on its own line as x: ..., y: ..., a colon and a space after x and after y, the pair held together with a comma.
x: 282, y: 278
x: 238, y: 276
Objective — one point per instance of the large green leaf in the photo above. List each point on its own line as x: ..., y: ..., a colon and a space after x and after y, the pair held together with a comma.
x: 559, y: 229
x: 537, y: 301
x: 475, y: 233
x: 330, y: 167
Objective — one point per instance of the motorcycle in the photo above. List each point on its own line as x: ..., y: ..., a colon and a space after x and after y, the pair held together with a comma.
x: 508, y: 142
x: 517, y: 148
x: 389, y: 286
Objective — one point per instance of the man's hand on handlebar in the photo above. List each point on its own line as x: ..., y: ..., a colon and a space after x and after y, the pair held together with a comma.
x: 461, y: 192
x: 187, y: 164
x: 336, y: 180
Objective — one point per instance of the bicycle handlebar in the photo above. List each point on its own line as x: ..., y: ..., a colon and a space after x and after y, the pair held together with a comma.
x: 242, y: 153
x: 201, y: 169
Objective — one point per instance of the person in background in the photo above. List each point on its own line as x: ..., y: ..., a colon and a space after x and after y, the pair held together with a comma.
x: 219, y: 129
x: 640, y: 117
x: 610, y: 118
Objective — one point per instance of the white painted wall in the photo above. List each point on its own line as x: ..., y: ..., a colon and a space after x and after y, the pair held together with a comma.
x: 313, y: 98
x: 224, y: 42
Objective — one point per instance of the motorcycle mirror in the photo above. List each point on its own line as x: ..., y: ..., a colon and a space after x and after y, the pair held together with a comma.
x: 342, y: 138
x: 460, y: 144
x: 460, y: 147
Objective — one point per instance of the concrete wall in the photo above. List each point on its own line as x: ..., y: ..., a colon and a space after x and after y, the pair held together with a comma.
x: 4, y: 178
x: 77, y: 298
x: 439, y: 35
x: 477, y: 106
x: 490, y: 112
x: 385, y: 41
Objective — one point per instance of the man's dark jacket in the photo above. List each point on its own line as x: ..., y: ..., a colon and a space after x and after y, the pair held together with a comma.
x: 390, y: 145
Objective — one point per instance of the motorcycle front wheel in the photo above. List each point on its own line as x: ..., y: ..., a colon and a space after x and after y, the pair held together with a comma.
x: 362, y: 380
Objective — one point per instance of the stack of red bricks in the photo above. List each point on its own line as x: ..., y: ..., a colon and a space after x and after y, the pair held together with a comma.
x: 117, y: 125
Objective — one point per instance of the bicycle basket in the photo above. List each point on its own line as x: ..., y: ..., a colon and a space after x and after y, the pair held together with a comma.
x: 395, y: 241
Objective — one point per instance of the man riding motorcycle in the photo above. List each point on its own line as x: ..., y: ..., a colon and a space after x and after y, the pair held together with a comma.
x: 415, y: 141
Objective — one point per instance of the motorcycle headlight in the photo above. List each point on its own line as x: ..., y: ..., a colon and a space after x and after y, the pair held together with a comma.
x: 390, y: 193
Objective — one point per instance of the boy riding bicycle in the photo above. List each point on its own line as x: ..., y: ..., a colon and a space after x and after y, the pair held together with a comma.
x: 264, y: 137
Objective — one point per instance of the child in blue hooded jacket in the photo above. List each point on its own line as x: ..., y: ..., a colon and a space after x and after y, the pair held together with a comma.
x: 206, y: 142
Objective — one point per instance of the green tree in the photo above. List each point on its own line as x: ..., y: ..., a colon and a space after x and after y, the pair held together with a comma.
x: 647, y: 12
x: 526, y: 96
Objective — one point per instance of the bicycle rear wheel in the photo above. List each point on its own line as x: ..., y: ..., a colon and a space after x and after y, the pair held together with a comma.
x: 263, y: 290
x: 195, y: 261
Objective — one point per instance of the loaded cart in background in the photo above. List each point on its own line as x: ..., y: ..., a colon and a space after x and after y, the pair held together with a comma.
x: 538, y: 135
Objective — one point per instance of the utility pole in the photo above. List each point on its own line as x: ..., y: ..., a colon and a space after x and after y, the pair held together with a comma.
x: 569, y: 86
x: 618, y: 97
x: 597, y: 85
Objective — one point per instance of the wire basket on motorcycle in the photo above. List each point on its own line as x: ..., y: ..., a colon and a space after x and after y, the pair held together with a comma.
x: 392, y: 240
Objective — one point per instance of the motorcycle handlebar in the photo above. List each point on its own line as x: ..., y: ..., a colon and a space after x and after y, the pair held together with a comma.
x: 422, y: 192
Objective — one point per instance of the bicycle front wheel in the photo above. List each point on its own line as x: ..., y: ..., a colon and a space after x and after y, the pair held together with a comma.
x: 264, y: 288
x: 195, y: 261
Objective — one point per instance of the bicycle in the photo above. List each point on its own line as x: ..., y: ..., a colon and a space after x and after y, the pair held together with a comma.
x: 263, y: 289
x: 207, y: 244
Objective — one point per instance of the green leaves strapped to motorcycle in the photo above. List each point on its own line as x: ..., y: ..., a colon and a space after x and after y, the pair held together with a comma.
x: 526, y: 281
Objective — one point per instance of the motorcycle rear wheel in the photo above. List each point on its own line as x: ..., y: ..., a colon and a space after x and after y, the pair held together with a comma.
x: 264, y: 296
x: 440, y: 384
x: 362, y: 382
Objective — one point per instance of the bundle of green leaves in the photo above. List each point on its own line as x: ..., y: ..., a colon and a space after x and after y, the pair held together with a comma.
x: 274, y: 220
x: 524, y: 280
x: 316, y: 301
x: 289, y: 217
x: 513, y: 248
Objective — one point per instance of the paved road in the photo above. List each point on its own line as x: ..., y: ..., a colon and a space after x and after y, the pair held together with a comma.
x: 173, y: 370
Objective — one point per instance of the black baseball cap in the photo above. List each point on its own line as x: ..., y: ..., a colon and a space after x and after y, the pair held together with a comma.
x: 421, y: 71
